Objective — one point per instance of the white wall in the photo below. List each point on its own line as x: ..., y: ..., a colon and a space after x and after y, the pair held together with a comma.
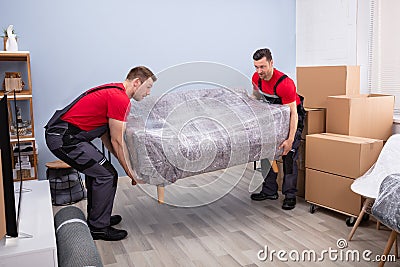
x: 333, y: 32
x: 75, y: 45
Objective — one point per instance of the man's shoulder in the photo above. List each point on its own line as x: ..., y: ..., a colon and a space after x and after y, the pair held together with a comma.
x: 286, y: 80
x: 111, y: 86
x: 255, y: 76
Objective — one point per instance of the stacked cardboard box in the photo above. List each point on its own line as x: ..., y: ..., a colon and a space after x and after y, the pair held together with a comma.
x: 350, y: 114
x: 316, y: 84
x: 332, y: 163
x: 319, y: 82
x: 367, y: 115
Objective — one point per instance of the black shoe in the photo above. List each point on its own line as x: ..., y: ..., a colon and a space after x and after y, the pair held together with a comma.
x: 107, y: 233
x: 289, y: 203
x: 262, y: 196
x: 115, y: 219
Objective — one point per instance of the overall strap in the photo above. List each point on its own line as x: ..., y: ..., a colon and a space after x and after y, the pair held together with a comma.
x: 59, y: 113
x: 97, y: 89
x: 284, y: 76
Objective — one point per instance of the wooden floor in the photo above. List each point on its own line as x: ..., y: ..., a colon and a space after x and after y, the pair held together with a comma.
x: 230, y: 231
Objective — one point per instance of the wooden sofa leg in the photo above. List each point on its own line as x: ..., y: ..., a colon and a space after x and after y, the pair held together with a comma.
x: 274, y: 166
x: 367, y: 202
x: 160, y: 194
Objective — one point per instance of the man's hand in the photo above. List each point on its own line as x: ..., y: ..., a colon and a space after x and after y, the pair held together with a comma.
x: 134, y: 179
x: 286, y: 146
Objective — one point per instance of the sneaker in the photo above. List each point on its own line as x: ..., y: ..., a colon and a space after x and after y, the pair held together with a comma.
x: 115, y: 219
x: 289, y: 203
x: 262, y: 196
x: 107, y: 233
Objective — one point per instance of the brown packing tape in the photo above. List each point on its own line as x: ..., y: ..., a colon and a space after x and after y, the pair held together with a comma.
x: 353, y: 139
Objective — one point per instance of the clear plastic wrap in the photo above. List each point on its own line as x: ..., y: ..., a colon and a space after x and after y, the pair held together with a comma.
x: 387, y: 206
x: 188, y: 132
x: 386, y: 164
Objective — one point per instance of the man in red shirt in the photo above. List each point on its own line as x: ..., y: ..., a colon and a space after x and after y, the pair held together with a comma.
x: 98, y: 112
x: 276, y: 88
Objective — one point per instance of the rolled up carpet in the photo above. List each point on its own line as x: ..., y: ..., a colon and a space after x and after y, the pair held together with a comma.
x: 75, y: 245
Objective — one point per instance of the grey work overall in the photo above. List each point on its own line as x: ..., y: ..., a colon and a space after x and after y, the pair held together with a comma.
x: 73, y: 146
x: 290, y: 170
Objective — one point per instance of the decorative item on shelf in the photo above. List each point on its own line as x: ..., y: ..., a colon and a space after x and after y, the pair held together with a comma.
x: 10, y: 39
x: 23, y: 169
x: 24, y: 127
x: 13, y: 81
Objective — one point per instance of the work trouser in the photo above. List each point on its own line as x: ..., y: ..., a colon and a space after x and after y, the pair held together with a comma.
x: 101, y: 176
x: 290, y: 170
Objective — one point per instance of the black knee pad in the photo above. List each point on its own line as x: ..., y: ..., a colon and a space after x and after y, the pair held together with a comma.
x: 112, y: 170
x: 288, y: 162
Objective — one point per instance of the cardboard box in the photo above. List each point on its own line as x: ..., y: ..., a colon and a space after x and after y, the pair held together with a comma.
x: 315, y: 121
x: 366, y: 115
x: 300, y: 180
x: 342, y: 155
x: 317, y: 83
x: 332, y: 191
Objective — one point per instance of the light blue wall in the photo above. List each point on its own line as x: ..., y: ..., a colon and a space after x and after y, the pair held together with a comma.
x: 75, y: 45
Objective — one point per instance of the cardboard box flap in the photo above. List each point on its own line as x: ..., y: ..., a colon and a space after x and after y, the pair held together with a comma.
x: 345, y: 138
x: 360, y: 96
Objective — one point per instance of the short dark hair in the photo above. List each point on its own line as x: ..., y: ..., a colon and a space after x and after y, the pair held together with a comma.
x: 141, y: 72
x: 263, y: 52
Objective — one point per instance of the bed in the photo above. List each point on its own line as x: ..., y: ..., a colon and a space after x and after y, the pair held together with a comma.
x: 189, y: 132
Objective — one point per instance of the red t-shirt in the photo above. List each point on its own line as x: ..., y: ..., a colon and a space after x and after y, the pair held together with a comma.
x: 94, y: 109
x: 286, y: 89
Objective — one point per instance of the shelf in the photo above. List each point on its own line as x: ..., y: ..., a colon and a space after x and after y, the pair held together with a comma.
x: 22, y: 139
x: 18, y: 96
x: 22, y: 56
x: 14, y: 56
x: 10, y: 61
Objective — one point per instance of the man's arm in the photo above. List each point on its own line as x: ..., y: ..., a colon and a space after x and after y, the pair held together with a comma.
x: 287, y: 144
x: 106, y: 139
x: 256, y: 93
x: 116, y: 132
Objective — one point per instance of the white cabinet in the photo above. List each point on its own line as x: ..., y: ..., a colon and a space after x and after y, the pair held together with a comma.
x: 36, y: 219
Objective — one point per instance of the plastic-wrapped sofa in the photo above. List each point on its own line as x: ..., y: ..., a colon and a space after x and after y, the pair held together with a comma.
x: 188, y: 132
